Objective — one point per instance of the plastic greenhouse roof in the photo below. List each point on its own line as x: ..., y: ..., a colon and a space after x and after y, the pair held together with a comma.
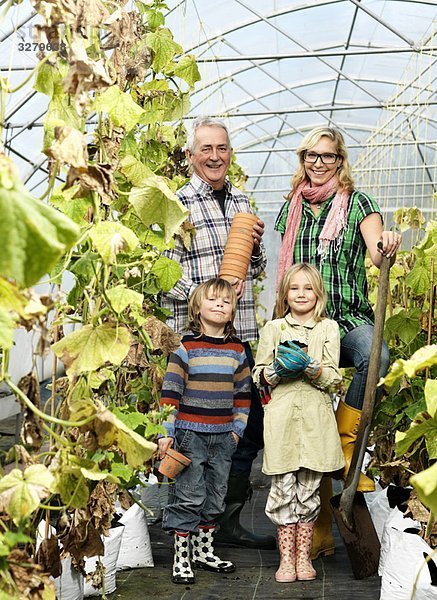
x: 273, y: 71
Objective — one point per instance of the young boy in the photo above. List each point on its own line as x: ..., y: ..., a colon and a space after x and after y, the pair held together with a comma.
x: 208, y: 383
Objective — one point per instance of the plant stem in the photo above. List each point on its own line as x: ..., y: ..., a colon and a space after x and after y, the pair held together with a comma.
x: 40, y: 414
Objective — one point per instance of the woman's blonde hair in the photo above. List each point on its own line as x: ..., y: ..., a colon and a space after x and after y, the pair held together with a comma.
x: 218, y: 286
x: 282, y: 308
x: 344, y: 171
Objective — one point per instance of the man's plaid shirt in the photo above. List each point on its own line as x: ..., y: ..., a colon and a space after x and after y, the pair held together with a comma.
x: 202, y: 261
x: 343, y: 269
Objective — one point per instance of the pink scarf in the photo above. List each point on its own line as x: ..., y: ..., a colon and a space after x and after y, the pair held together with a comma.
x: 332, y: 230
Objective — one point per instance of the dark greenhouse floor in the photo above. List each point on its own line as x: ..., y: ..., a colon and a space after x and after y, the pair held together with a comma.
x: 254, y: 577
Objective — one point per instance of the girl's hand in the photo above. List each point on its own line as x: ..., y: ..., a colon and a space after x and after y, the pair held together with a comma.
x: 163, y: 445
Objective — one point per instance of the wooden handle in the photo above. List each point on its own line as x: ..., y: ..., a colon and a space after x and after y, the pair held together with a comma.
x: 351, y: 483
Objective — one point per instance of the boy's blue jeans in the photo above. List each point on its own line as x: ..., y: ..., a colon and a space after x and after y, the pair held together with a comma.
x: 200, y: 489
x: 355, y: 352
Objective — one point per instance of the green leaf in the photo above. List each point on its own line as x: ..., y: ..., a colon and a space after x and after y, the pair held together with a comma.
x: 131, y: 419
x: 168, y: 271
x: 7, y: 328
x: 90, y: 348
x: 120, y: 107
x: 110, y: 430
x: 163, y: 46
x: 22, y: 491
x: 424, y: 357
x: 154, y: 202
x: 74, y: 208
x: 34, y: 235
x: 61, y: 111
x: 134, y: 170
x: 431, y: 397
x: 121, y: 297
x: 47, y: 79
x: 178, y: 108
x: 99, y: 377
x: 98, y: 475
x: 418, y: 279
x: 404, y: 324
x: 110, y: 238
x: 187, y: 70
x: 425, y: 483
x: 121, y: 471
x: 414, y: 409
x: 405, y: 439
x: 72, y: 487
x: 422, y: 426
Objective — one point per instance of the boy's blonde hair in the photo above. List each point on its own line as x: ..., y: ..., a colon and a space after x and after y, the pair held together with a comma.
x: 344, y: 171
x: 282, y: 308
x: 216, y: 286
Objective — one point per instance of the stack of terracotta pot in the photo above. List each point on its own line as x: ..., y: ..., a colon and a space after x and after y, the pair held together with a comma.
x: 239, y: 247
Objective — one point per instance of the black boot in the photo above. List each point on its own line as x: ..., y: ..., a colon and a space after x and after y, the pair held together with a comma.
x: 230, y: 532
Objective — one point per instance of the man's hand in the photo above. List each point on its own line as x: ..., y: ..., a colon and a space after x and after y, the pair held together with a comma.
x: 164, y: 444
x: 258, y: 232
x: 239, y: 285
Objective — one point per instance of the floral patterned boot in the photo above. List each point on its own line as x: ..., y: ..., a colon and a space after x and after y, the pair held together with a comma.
x: 287, y: 551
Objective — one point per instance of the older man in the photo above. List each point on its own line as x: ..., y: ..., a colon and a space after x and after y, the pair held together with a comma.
x: 212, y: 202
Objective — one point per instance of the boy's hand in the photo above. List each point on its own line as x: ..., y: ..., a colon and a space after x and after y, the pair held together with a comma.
x: 164, y: 444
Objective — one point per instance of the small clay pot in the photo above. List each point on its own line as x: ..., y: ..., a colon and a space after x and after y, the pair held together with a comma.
x: 173, y: 463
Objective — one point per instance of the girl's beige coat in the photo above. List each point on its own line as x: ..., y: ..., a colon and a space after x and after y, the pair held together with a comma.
x: 299, y: 423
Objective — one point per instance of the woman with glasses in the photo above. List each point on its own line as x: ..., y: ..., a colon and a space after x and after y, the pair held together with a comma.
x: 326, y: 222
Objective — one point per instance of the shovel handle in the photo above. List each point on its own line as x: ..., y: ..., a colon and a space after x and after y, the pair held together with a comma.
x: 351, y: 483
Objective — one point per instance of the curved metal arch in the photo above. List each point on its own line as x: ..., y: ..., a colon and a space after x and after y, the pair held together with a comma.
x: 272, y: 92
x: 286, y: 11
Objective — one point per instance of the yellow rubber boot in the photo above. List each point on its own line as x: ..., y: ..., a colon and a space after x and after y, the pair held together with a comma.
x: 323, y: 540
x: 348, y: 421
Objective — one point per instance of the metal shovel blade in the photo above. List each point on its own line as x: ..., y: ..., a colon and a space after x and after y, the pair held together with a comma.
x: 362, y: 543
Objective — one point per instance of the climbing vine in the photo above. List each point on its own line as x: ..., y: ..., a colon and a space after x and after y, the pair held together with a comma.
x: 117, y: 85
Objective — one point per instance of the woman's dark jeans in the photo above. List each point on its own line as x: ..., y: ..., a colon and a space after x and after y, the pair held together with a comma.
x: 355, y: 352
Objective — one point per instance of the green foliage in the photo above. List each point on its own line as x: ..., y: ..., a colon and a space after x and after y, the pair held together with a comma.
x: 34, y: 235
x: 107, y: 228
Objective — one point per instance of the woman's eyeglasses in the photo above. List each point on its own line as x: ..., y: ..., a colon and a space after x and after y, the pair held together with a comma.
x: 327, y: 158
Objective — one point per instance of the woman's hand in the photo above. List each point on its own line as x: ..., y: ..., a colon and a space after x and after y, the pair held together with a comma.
x: 389, y: 243
x: 164, y: 444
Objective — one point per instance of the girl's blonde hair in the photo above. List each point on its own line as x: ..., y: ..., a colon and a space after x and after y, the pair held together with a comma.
x: 344, y: 171
x: 282, y: 308
x: 217, y: 286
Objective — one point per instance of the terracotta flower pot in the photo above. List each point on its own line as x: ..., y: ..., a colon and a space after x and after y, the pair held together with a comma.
x: 173, y: 463
x: 239, y: 247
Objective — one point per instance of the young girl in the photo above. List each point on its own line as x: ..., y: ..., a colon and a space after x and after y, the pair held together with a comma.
x: 298, y: 355
x: 208, y: 383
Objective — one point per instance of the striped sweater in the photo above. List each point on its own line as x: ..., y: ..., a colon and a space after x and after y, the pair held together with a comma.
x: 208, y: 383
